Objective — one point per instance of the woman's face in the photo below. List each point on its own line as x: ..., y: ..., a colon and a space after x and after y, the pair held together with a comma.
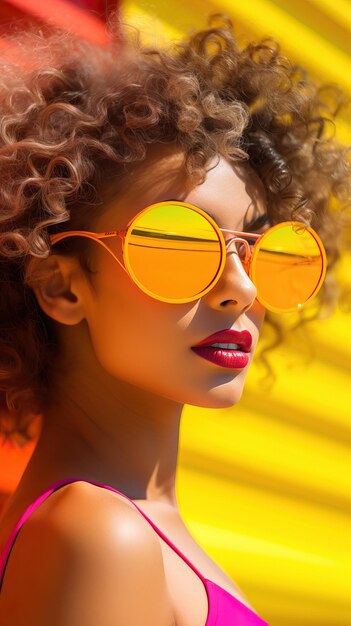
x: 146, y: 342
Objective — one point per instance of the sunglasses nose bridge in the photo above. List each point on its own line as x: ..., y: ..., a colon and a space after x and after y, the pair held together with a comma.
x: 236, y: 239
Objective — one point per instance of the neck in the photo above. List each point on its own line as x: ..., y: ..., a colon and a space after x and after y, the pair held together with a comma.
x: 113, y: 433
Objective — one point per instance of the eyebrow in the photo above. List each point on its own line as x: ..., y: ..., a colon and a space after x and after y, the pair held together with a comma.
x: 257, y: 222
x: 252, y: 225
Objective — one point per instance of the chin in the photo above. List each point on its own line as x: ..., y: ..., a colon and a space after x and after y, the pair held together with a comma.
x: 222, y: 396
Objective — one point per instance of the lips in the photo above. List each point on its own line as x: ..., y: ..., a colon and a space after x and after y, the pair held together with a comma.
x: 242, y: 338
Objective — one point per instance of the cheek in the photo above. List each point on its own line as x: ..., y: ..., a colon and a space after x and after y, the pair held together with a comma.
x: 257, y: 314
x: 132, y: 334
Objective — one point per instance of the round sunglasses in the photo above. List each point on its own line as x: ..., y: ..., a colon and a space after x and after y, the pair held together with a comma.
x: 175, y: 252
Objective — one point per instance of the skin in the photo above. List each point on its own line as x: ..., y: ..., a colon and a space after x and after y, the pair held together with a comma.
x: 126, y: 367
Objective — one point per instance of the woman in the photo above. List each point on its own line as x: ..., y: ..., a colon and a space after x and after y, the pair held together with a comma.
x: 136, y: 186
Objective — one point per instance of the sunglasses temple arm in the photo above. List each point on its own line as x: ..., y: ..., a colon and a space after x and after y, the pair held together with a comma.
x: 92, y: 236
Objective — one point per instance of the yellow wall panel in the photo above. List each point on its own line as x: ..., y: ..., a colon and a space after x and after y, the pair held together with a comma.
x: 304, y: 44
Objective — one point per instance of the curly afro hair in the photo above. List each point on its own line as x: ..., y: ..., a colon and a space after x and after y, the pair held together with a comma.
x: 79, y: 113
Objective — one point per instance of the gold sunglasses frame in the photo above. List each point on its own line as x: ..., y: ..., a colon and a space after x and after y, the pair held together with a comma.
x: 125, y: 233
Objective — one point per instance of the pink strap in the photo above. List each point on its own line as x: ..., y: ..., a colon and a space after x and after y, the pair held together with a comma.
x: 60, y: 483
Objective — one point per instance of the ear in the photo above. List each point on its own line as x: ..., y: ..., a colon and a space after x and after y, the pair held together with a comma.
x: 57, y: 283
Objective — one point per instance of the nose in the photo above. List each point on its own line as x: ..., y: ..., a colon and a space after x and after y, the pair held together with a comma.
x: 234, y: 289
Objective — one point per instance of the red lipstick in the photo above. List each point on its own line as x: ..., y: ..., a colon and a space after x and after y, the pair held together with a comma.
x: 229, y: 356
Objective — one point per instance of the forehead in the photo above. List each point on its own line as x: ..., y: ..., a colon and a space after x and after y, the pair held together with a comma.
x: 231, y: 193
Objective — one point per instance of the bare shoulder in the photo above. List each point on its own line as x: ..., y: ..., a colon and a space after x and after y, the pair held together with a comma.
x: 86, y: 556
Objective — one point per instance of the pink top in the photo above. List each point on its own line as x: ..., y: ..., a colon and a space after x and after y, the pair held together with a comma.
x: 223, y: 608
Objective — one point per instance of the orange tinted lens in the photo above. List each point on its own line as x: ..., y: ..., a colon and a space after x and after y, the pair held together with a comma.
x: 172, y: 252
x: 288, y: 266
